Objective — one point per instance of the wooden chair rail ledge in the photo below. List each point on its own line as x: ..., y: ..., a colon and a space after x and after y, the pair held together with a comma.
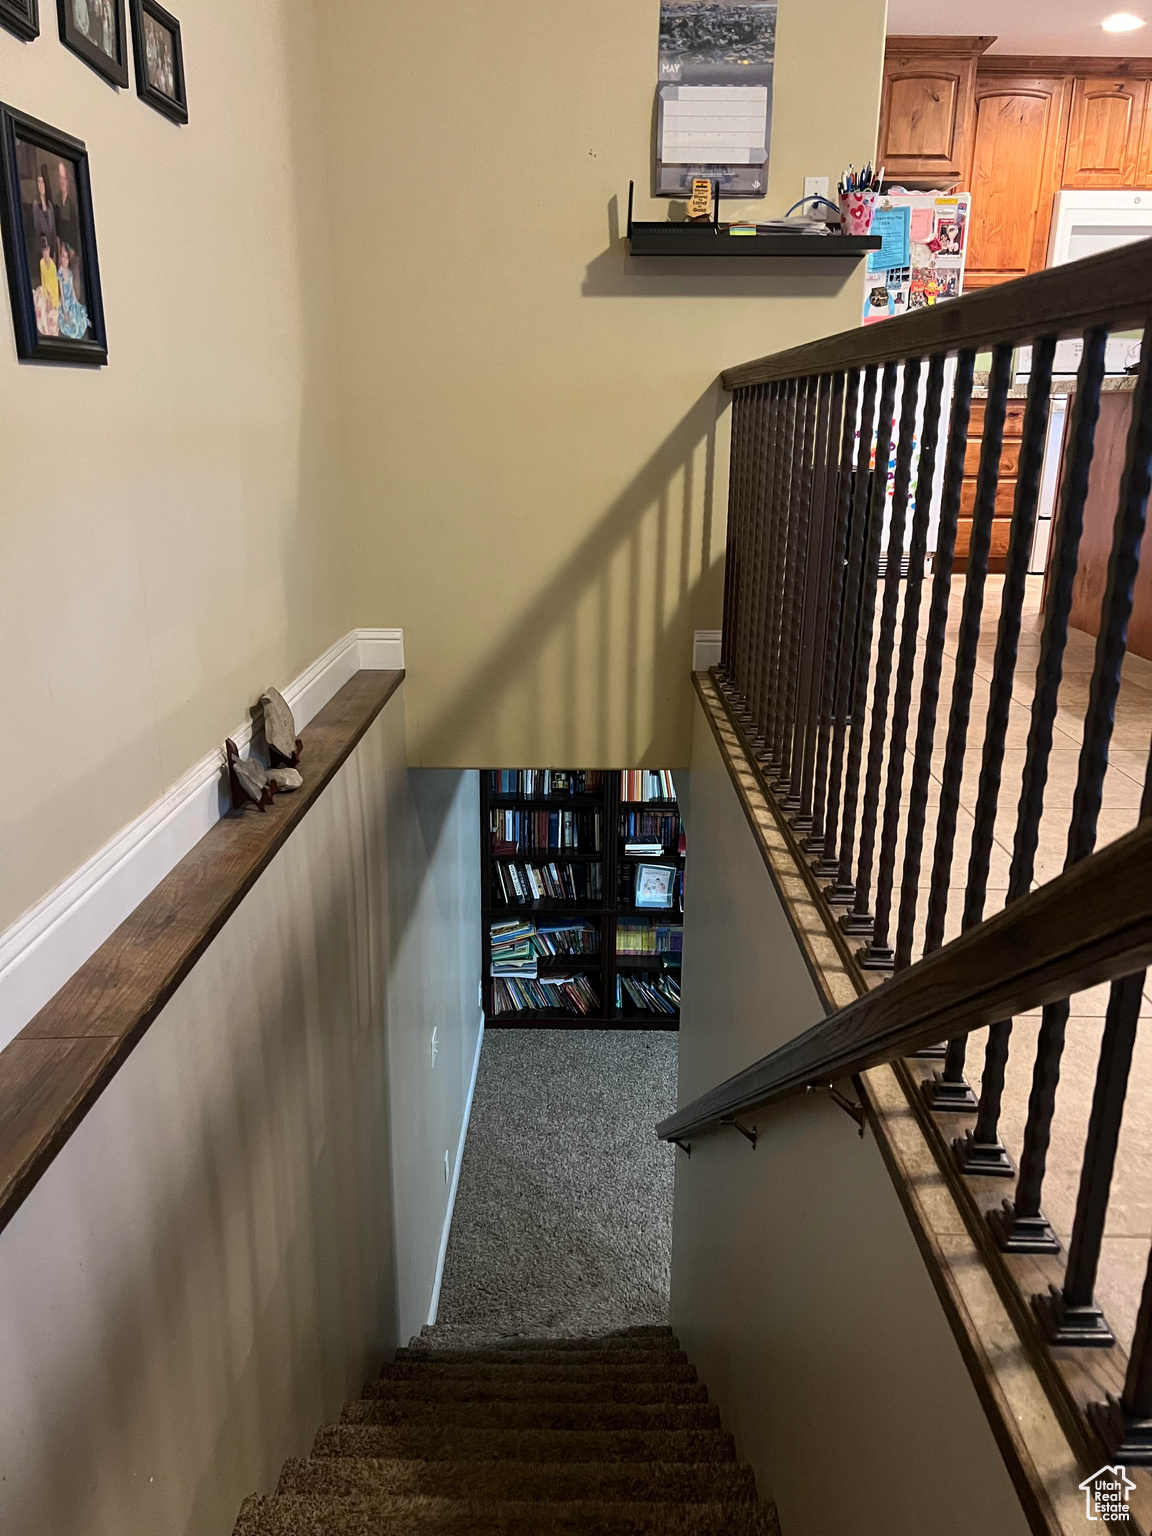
x: 57, y: 1067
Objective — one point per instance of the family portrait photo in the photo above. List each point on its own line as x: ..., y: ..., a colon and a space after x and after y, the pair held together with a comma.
x: 96, y: 20
x: 96, y: 30
x: 159, y: 59
x: 53, y: 243
x: 50, y: 243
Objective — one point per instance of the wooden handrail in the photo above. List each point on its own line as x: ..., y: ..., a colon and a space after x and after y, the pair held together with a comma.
x: 56, y: 1068
x: 1091, y: 924
x: 1113, y: 289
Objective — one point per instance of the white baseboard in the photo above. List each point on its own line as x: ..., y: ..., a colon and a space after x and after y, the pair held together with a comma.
x: 706, y: 649
x: 49, y: 943
x: 438, y: 1278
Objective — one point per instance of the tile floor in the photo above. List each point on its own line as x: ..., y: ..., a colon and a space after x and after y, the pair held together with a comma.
x: 1129, y: 1225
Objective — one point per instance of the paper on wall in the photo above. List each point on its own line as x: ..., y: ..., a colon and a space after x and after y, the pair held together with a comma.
x: 713, y: 124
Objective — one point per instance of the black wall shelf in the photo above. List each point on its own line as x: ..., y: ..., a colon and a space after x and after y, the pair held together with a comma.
x: 601, y: 968
x: 715, y: 239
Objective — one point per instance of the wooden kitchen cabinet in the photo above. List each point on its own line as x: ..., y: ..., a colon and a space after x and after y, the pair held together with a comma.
x: 1005, y: 489
x: 1013, y: 171
x: 926, y: 107
x: 1105, y: 132
x: 1012, y: 131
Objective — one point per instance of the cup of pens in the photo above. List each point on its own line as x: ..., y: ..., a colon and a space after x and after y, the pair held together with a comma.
x: 858, y: 191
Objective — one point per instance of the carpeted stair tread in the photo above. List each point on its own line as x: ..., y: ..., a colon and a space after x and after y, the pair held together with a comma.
x: 541, y: 1356
x: 508, y: 1370
x: 349, y: 1477
x: 533, y: 1413
x: 651, y: 1332
x: 486, y: 1390
x: 434, y: 1441
x: 300, y: 1515
x: 511, y: 1344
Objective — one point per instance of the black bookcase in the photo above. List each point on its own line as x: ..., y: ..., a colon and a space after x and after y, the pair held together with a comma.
x: 617, y: 903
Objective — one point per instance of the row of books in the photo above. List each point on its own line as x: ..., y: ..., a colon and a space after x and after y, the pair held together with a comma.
x: 518, y: 946
x: 573, y: 994
x: 518, y: 883
x: 646, y: 784
x: 541, y: 831
x: 661, y: 827
x: 659, y: 994
x: 649, y: 938
x: 534, y: 783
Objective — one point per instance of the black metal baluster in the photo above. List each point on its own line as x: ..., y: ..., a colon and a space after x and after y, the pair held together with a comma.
x: 860, y: 920
x: 950, y: 1089
x: 822, y: 799
x: 762, y: 512
x: 801, y: 496
x: 776, y: 559
x: 804, y: 613
x: 774, y: 448
x: 1124, y: 1424
x: 980, y: 1151
x: 878, y: 955
x: 1021, y: 1227
x: 1070, y: 1315
x: 830, y: 863
x: 732, y: 553
x: 933, y: 664
x: 816, y: 638
x: 862, y: 660
x: 748, y: 563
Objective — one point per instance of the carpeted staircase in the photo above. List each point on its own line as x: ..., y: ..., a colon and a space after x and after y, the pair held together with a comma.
x: 587, y: 1435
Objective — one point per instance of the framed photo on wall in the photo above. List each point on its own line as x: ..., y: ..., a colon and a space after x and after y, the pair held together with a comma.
x: 50, y: 243
x: 96, y: 30
x: 21, y: 17
x: 159, y: 59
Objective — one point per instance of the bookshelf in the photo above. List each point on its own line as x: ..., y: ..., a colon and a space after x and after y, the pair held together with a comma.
x: 560, y: 853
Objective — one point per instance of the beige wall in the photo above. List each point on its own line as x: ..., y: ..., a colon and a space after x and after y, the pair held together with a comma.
x: 171, y: 537
x: 250, y: 1216
x: 536, y: 466
x: 797, y: 1287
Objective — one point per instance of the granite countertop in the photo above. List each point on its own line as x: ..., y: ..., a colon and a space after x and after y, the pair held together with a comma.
x: 1114, y: 384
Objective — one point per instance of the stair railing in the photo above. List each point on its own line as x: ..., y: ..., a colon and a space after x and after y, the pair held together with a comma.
x: 854, y: 494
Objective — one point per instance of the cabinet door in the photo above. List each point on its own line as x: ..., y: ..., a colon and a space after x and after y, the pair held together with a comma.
x: 924, y: 116
x: 1013, y: 174
x: 1104, y: 133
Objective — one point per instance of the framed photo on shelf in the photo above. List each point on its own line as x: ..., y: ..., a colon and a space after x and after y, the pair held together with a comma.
x: 21, y: 17
x: 159, y: 59
x: 96, y: 31
x: 49, y: 243
x: 656, y: 885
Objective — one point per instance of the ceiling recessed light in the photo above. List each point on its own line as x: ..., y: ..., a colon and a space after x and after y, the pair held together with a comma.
x: 1122, y: 21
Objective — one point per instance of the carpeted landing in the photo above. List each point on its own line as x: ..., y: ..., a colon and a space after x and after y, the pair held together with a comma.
x: 563, y: 1217
x: 608, y: 1436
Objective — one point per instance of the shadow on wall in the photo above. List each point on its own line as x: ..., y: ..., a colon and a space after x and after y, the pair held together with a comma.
x: 618, y: 616
x: 617, y: 274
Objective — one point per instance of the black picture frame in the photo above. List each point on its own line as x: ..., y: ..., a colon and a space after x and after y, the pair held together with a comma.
x: 174, y: 106
x: 92, y: 348
x: 21, y: 17
x: 115, y: 71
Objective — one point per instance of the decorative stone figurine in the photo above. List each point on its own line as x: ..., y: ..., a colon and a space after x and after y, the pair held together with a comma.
x: 284, y: 746
x: 285, y: 779
x: 248, y: 778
